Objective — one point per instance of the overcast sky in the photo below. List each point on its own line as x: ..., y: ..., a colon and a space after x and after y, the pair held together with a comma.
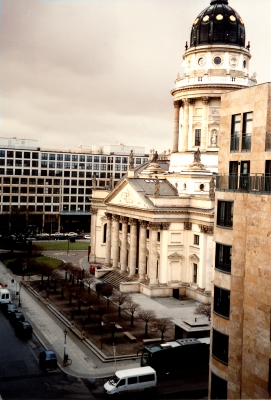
x: 83, y: 72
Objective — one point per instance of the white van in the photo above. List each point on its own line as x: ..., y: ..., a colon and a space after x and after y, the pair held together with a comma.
x: 131, y: 380
x: 5, y: 296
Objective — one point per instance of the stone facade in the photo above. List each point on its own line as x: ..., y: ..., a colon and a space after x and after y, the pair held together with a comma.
x: 244, y: 371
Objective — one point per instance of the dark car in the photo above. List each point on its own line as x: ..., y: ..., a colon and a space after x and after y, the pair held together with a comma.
x: 9, y: 308
x: 16, y: 317
x: 48, y: 359
x: 23, y: 329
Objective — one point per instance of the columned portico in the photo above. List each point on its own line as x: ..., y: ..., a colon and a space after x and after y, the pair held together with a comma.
x: 152, y: 267
x: 123, y: 254
x: 115, y: 244
x: 142, y: 265
x: 108, y: 240
x: 133, y: 246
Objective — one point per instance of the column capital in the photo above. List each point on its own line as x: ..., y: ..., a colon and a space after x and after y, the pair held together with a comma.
x: 124, y: 220
x: 94, y: 210
x: 191, y: 101
x: 205, y: 99
x: 132, y: 221
x: 206, y: 229
x: 177, y: 103
x: 115, y: 217
x: 185, y: 102
x: 143, y: 223
x: 155, y: 226
x: 165, y: 226
x: 108, y: 215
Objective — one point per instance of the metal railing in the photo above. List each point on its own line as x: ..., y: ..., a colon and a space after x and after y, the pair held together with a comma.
x: 246, y: 182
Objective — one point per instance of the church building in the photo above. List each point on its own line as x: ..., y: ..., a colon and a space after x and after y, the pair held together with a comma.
x: 155, y: 226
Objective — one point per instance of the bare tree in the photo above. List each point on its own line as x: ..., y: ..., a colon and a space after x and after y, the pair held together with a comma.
x: 105, y: 289
x: 163, y: 325
x: 88, y: 279
x: 204, y: 309
x: 132, y: 308
x: 120, y: 298
x: 147, y: 316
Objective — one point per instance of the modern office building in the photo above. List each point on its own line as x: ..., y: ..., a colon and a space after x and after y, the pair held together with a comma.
x: 53, y: 188
x: 241, y: 330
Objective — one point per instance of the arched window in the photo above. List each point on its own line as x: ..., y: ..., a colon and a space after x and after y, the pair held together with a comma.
x: 104, y: 233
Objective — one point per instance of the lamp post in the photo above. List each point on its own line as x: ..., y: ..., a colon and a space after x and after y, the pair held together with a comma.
x: 65, y: 342
x: 20, y: 286
x: 68, y: 249
x: 102, y: 324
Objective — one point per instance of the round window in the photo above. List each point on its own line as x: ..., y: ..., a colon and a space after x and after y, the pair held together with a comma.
x: 206, y: 18
x: 201, y: 61
x: 201, y: 186
x: 232, y: 18
x: 217, y: 60
x: 219, y: 17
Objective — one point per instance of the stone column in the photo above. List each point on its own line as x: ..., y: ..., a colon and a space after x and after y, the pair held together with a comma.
x: 204, y: 133
x: 123, y: 254
x: 152, y: 272
x: 142, y: 266
x: 185, y: 125
x: 176, y: 126
x: 115, y: 240
x: 108, y: 240
x: 133, y: 247
x: 190, y: 122
x: 93, y: 229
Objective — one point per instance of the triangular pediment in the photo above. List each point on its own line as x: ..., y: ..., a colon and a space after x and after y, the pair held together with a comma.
x: 175, y: 256
x: 127, y: 196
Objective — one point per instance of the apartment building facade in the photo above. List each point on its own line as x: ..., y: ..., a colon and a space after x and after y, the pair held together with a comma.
x: 241, y: 335
x: 53, y: 188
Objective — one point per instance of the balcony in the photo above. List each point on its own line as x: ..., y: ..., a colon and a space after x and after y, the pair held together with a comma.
x: 246, y: 142
x: 234, y: 144
x: 253, y: 183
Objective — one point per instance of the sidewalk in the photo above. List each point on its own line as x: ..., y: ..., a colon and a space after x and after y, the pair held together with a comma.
x: 85, y: 364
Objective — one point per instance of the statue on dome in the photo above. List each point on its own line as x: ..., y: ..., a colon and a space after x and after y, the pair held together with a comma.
x: 154, y: 157
x: 157, y: 186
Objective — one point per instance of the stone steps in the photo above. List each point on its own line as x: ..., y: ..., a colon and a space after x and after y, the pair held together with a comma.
x: 114, y: 278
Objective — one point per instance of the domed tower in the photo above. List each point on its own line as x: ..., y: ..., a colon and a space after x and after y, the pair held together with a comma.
x: 216, y: 61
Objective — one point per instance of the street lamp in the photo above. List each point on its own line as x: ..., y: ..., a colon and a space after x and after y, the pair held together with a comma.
x: 65, y: 342
x: 102, y: 324
x: 20, y: 286
x: 68, y: 249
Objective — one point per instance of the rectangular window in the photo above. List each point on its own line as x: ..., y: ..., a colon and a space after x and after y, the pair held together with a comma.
x: 56, y: 208
x: 66, y: 182
x: 197, y: 137
x: 124, y: 167
x: 196, y: 240
x: 59, y: 165
x: 117, y: 160
x: 222, y: 301
x: 225, y: 213
x: 56, y: 182
x: 2, y: 153
x: 235, y: 132
x: 55, y: 199
x: 218, y: 387
x: 74, y: 174
x: 18, y: 154
x: 244, y: 183
x: 125, y: 160
x: 82, y: 158
x: 35, y: 163
x: 88, y: 166
x: 59, y: 157
x: 9, y: 163
x: 35, y: 156
x: 96, y: 159
x: 67, y: 165
x: 67, y: 157
x: 195, y: 273
x: 233, y: 175
x: 103, y: 167
x: 117, y: 167
x: 223, y: 257
x: 44, y: 156
x: 96, y: 166
x: 44, y: 164
x: 52, y: 156
x: 74, y: 157
x: 10, y: 153
x: 247, y: 131
x: 52, y: 164
x: 220, y: 347
x: 74, y: 165
x: 27, y: 154
x: 89, y: 158
x: 138, y: 161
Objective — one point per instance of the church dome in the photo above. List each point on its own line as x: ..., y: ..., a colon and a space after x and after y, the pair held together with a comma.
x: 218, y: 24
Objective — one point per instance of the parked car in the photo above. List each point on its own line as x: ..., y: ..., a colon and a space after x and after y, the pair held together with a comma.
x: 59, y: 236
x: 23, y: 329
x: 87, y: 237
x: 92, y: 268
x: 9, y: 308
x: 71, y: 234
x: 48, y: 359
x: 16, y: 317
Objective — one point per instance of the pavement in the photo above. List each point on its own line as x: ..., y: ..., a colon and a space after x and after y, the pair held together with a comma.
x: 49, y: 329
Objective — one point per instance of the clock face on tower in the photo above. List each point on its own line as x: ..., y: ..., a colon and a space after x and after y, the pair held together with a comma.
x: 201, y: 61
